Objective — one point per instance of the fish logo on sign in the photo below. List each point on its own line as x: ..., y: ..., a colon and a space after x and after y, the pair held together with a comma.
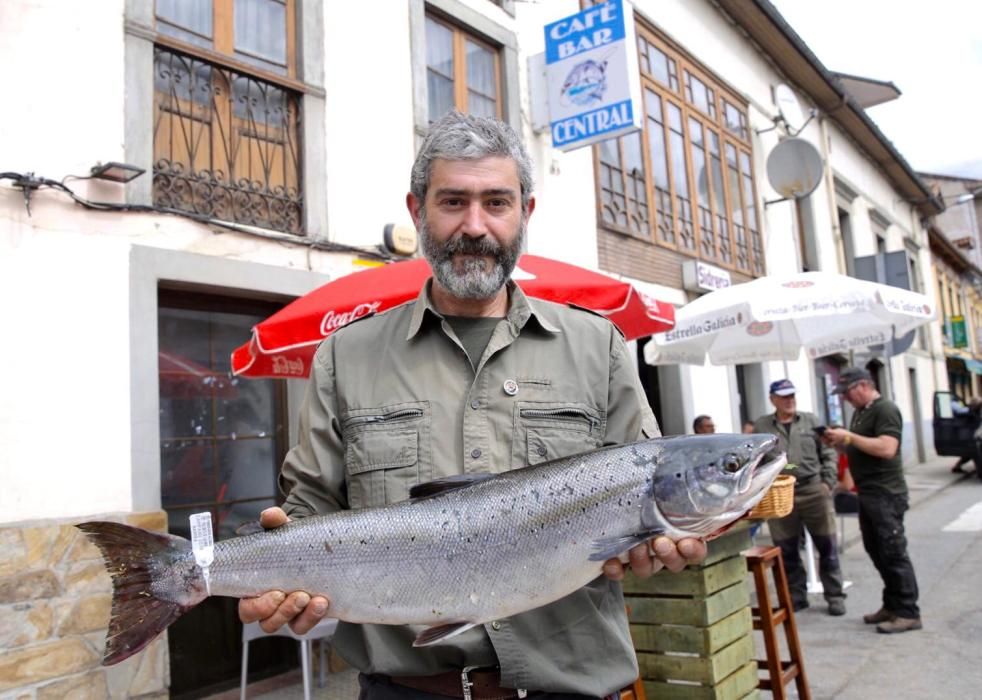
x: 585, y: 84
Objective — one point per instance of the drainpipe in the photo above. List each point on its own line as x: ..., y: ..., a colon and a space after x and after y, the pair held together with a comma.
x: 840, y: 252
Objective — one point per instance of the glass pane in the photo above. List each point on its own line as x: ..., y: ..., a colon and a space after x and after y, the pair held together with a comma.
x: 609, y: 152
x: 188, y: 20
x: 481, y: 106
x: 439, y: 95
x: 480, y: 70
x: 656, y: 140
x: 699, y: 163
x: 260, y: 29
x: 187, y: 472
x: 244, y: 469
x: 439, y: 48
x: 717, y: 168
x: 659, y: 65
x: 632, y: 153
x: 678, y: 151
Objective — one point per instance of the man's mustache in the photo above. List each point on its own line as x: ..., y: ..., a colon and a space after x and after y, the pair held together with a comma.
x: 465, y: 245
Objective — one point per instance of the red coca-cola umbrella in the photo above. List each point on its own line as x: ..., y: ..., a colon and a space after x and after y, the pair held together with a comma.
x: 283, y: 344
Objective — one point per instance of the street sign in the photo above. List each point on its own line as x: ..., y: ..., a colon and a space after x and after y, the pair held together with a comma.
x: 592, y: 76
x: 959, y: 336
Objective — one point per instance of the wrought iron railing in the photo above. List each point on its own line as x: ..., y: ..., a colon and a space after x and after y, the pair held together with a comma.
x: 226, y: 144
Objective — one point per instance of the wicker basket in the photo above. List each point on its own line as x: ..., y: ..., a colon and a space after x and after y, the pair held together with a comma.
x: 778, y: 501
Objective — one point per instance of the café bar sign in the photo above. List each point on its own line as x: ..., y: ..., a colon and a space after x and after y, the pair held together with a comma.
x: 697, y: 276
x: 592, y: 76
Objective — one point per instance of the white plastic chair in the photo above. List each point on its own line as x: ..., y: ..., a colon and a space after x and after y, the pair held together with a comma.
x: 323, y: 631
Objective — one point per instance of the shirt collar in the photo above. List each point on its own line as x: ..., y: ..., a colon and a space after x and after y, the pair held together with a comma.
x: 520, y: 310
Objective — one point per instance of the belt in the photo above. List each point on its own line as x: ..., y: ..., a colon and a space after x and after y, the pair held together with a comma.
x: 468, y: 683
x: 805, y: 481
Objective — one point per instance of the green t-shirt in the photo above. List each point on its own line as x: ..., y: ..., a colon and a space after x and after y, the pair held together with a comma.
x: 474, y: 334
x: 871, y: 473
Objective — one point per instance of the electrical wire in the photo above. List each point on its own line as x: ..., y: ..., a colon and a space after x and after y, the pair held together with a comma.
x: 29, y: 183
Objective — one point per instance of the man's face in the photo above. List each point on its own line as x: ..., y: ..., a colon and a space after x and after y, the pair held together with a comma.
x: 784, y: 405
x: 471, y: 225
x: 858, y: 393
x: 705, y: 427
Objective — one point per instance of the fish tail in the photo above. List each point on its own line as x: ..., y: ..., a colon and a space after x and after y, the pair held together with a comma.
x: 155, y: 581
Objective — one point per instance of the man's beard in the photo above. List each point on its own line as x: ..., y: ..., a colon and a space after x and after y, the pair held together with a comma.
x: 468, y: 278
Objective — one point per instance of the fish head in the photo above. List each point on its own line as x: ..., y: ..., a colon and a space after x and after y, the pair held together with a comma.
x: 702, y: 483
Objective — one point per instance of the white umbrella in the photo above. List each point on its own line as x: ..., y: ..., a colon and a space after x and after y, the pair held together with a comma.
x: 774, y: 317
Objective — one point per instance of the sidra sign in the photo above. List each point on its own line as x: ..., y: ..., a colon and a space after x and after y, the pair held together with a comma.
x: 592, y: 73
x: 697, y: 276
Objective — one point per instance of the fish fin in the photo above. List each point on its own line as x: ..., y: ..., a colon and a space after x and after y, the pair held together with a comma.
x: 136, y: 559
x: 438, y: 633
x: 448, y: 483
x: 612, y: 547
x: 253, y: 527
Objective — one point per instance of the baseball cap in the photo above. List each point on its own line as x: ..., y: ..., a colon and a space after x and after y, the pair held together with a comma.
x: 782, y: 387
x: 850, y: 376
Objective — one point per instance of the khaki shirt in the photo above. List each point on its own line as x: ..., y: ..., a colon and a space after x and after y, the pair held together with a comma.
x: 815, y: 462
x: 394, y: 401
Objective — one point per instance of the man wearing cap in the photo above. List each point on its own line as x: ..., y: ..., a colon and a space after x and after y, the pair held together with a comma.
x: 814, y: 468
x: 872, y: 444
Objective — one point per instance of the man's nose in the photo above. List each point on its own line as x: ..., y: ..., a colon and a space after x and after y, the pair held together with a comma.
x: 475, y: 220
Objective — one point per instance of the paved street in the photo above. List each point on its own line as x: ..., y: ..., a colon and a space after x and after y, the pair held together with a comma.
x: 845, y: 659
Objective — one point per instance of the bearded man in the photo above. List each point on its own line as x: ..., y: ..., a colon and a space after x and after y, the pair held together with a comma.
x: 472, y: 376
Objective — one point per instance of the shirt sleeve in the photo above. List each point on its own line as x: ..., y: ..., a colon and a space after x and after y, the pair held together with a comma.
x: 889, y: 421
x: 312, y: 478
x: 629, y: 416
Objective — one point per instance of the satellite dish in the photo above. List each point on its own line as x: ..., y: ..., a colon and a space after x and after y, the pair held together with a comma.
x: 794, y: 168
x: 788, y: 107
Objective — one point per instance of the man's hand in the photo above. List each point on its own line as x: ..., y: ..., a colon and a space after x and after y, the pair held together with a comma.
x: 667, y: 554
x: 835, y: 436
x: 274, y: 609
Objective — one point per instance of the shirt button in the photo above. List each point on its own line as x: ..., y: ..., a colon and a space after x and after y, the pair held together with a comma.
x: 475, y: 404
x: 541, y: 451
x: 510, y: 386
x: 496, y: 625
x: 475, y: 453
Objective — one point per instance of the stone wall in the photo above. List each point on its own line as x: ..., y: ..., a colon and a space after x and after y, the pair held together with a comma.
x: 55, y: 597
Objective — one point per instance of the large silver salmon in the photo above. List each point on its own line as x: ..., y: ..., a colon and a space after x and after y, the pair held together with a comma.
x: 465, y: 551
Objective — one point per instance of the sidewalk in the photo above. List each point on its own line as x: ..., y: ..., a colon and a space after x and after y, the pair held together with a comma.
x: 924, y: 480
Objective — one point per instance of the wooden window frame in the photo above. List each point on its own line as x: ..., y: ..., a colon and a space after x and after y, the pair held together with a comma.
x: 747, y: 201
x: 223, y: 40
x: 460, y: 36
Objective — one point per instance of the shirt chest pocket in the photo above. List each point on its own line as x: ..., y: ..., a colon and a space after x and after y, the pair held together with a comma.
x: 545, y: 431
x: 382, y: 453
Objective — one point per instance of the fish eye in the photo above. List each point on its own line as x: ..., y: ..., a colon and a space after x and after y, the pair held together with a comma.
x: 731, y: 464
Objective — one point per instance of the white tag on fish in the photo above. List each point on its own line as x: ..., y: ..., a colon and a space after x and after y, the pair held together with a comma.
x: 203, y: 543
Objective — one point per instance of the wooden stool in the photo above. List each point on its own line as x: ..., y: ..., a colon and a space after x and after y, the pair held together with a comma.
x: 635, y: 691
x: 766, y: 619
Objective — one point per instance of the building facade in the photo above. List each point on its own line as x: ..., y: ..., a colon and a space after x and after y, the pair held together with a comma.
x: 275, y: 139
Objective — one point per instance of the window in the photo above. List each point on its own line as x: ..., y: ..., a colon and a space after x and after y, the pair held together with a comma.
x: 691, y: 167
x: 226, y: 131
x: 462, y: 72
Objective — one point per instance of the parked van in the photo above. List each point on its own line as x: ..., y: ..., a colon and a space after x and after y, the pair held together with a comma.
x: 954, y: 429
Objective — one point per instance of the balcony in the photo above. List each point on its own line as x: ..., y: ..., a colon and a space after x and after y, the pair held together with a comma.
x: 226, y: 144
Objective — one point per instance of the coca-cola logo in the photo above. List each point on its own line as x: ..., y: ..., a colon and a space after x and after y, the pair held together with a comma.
x: 332, y: 321
x: 758, y: 328
x: 287, y: 367
x: 652, y: 309
x: 798, y: 284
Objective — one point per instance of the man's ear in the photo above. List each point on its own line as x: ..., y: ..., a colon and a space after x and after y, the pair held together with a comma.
x: 531, y: 208
x: 413, y: 205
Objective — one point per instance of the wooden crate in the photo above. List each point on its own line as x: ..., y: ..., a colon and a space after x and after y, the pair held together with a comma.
x: 693, y: 631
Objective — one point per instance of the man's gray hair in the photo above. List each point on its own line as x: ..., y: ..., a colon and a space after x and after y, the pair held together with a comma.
x: 457, y: 136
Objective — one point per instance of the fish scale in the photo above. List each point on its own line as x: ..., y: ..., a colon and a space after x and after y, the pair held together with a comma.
x: 481, y: 548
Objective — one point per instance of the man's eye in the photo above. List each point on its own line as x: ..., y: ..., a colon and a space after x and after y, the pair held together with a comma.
x: 497, y: 203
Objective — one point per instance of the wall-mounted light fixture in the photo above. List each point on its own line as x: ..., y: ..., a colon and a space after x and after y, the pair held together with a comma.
x: 115, y: 172
x: 400, y: 239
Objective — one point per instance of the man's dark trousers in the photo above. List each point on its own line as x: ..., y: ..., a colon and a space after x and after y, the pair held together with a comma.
x: 813, y: 510
x: 881, y: 521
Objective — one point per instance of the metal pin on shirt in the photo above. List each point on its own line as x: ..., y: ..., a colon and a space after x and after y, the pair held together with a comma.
x: 510, y: 386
